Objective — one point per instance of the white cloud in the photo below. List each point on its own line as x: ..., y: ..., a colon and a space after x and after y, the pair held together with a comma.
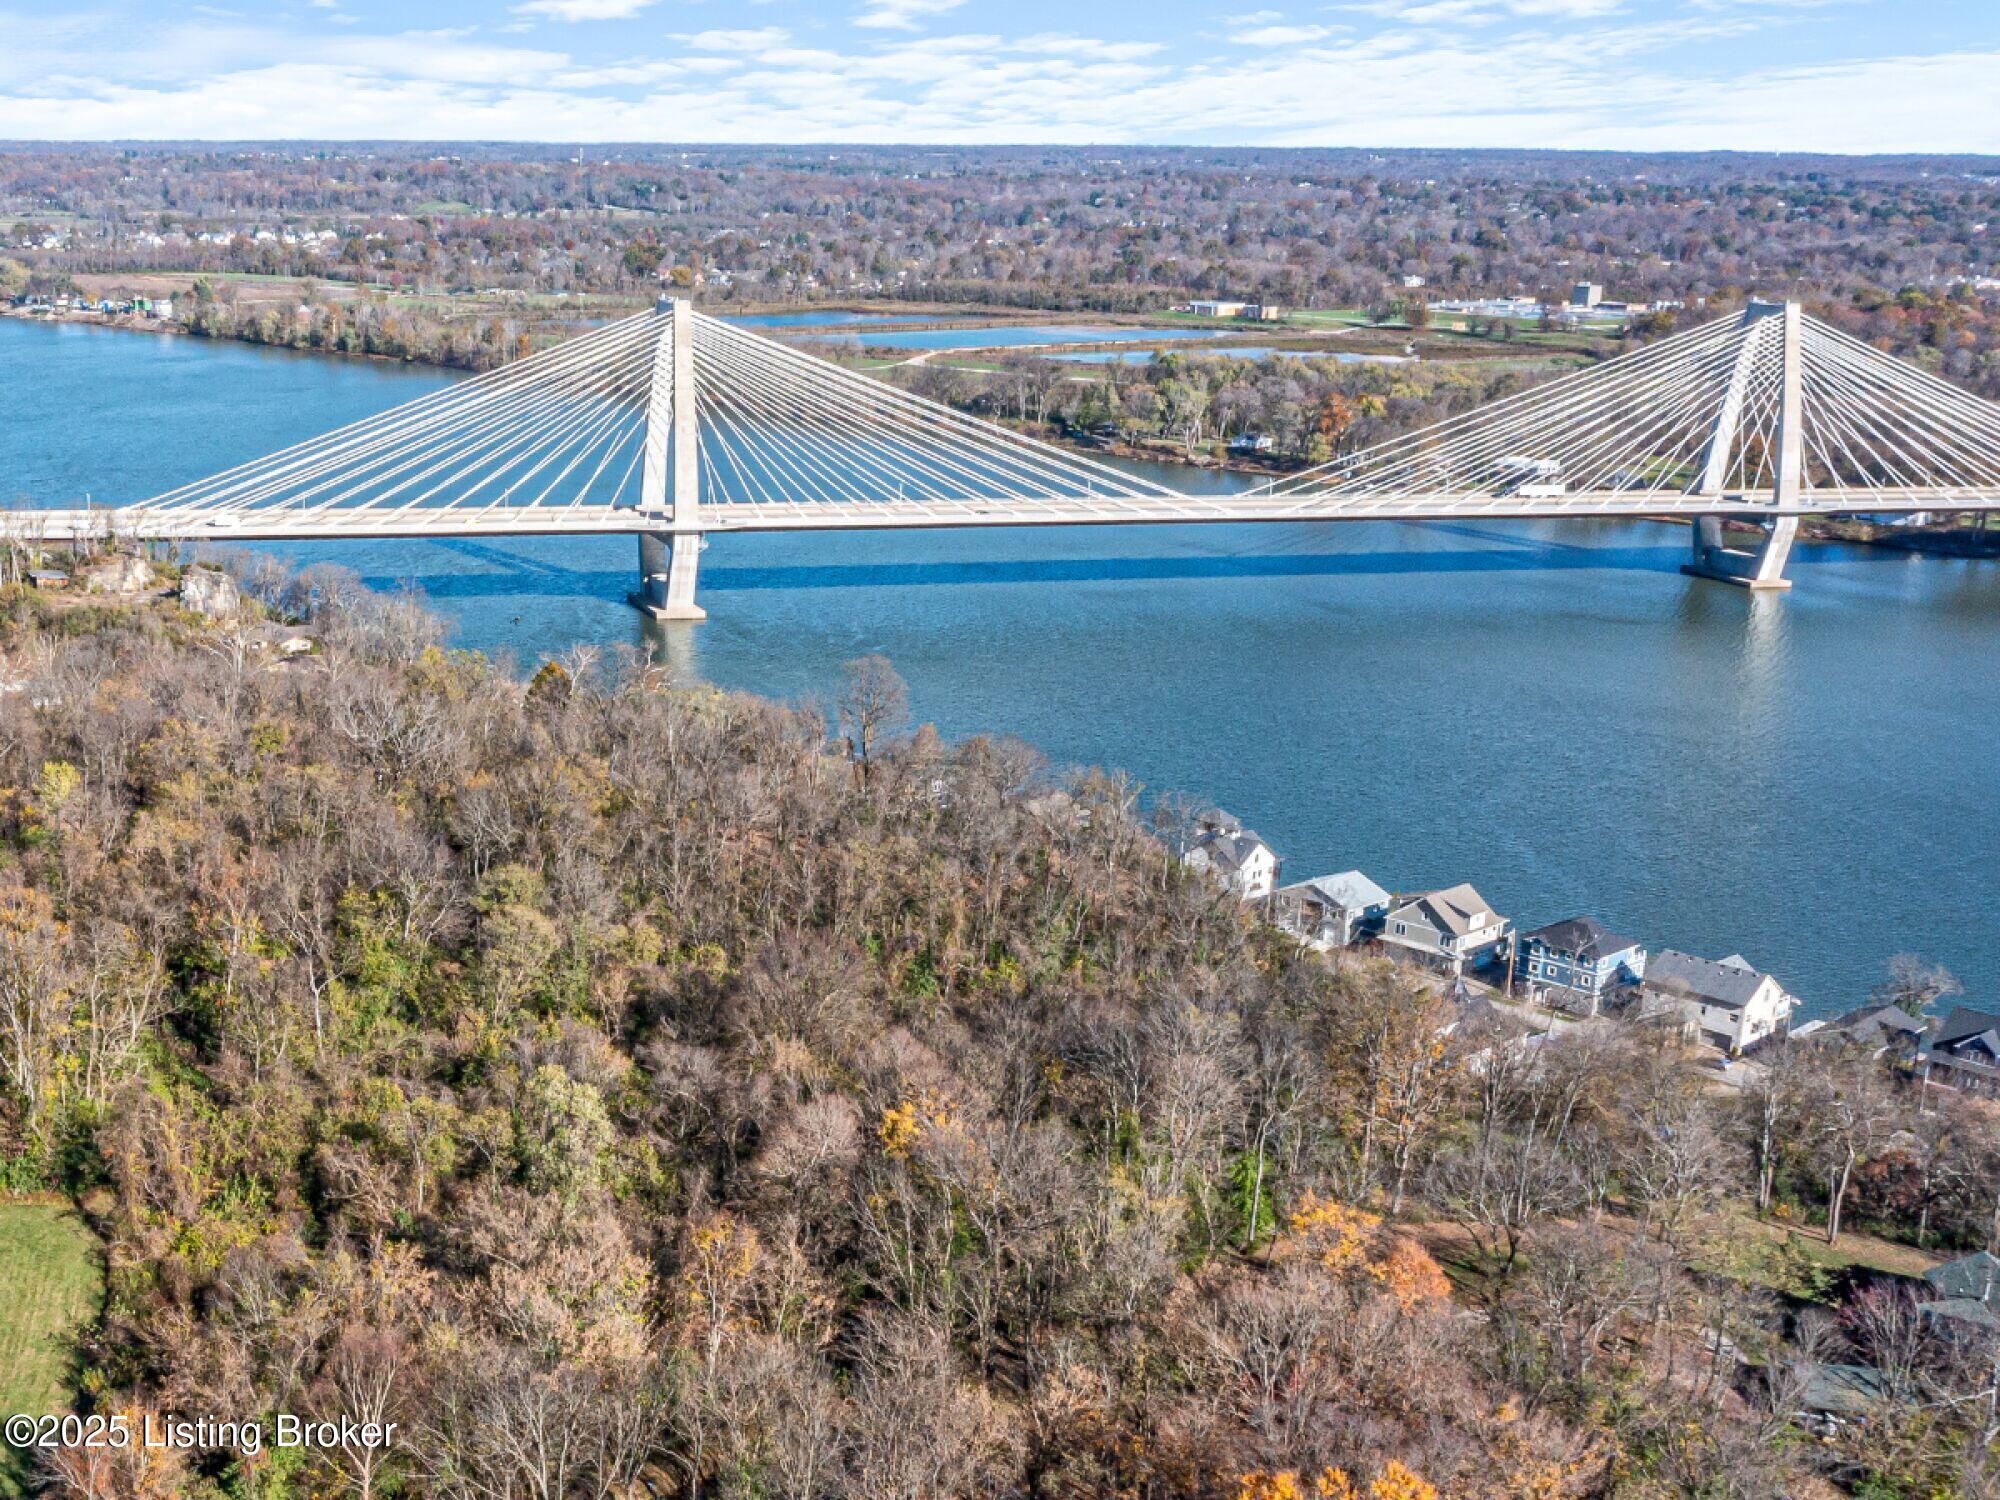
x: 1281, y: 36
x: 583, y: 10
x: 1399, y: 83
x: 901, y: 15
x: 760, y: 39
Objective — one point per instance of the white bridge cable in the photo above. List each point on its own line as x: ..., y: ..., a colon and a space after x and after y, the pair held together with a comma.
x: 1953, y: 430
x: 871, y: 400
x: 1462, y: 456
x: 362, y: 476
x: 1020, y: 467
x: 467, y: 402
x: 843, y: 439
x: 1874, y: 427
x: 774, y: 406
x: 476, y: 456
x: 1551, y: 409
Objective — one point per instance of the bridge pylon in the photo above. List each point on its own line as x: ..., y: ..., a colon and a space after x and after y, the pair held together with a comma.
x: 1764, y: 568
x: 670, y: 478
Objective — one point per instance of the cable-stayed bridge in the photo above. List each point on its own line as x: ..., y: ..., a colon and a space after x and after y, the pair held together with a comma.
x: 672, y: 425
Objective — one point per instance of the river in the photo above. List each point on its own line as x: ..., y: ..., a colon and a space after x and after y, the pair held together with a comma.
x: 1550, y: 711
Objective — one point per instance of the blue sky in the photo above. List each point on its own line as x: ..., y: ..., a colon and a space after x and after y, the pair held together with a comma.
x: 1832, y: 75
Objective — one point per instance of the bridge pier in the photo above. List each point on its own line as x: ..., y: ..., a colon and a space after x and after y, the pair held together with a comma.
x: 1762, y: 569
x: 668, y: 562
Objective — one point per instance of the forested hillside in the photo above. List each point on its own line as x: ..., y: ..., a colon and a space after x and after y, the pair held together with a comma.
x: 629, y: 1088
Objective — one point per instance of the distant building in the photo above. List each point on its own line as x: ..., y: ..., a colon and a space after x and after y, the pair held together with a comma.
x: 1332, y: 911
x: 1252, y: 442
x: 1963, y: 1051
x: 1576, y: 963
x: 1255, y: 312
x: 163, y: 309
x: 1413, y: 282
x: 1729, y: 1002
x: 1452, y: 929
x: 1586, y: 294
x: 1221, y: 846
x: 48, y: 578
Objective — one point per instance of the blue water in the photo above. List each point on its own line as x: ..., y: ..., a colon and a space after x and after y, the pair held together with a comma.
x: 829, y: 318
x: 1006, y: 336
x: 1232, y: 351
x: 1550, y: 711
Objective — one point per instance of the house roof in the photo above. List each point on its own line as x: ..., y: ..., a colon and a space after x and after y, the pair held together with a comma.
x: 1350, y: 890
x: 1586, y: 937
x: 1845, y: 1389
x: 1877, y: 1023
x: 1229, y: 852
x: 1963, y: 1024
x: 1457, y: 909
x: 1975, y: 1276
x: 1967, y: 1310
x: 1730, y: 982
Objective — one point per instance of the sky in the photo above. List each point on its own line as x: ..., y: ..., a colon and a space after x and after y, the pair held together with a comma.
x: 1760, y: 75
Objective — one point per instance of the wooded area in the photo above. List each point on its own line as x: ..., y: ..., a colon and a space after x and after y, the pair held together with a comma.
x: 614, y: 1081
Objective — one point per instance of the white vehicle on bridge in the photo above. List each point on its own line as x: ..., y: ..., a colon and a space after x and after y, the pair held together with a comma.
x: 1530, y: 478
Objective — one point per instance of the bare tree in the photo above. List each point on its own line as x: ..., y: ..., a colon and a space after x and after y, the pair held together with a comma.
x: 874, y: 703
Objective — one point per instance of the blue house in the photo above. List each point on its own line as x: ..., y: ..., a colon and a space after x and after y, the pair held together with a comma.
x: 1576, y: 963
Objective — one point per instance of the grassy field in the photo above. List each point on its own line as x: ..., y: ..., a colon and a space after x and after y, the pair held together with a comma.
x: 50, y: 1283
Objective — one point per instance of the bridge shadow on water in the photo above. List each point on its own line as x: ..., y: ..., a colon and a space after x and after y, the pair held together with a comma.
x: 525, y: 575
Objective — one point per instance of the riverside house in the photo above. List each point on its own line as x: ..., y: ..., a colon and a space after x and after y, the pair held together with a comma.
x: 1729, y: 1002
x: 1451, y: 930
x: 1241, y: 860
x: 1963, y: 1051
x: 1576, y: 963
x: 1332, y: 911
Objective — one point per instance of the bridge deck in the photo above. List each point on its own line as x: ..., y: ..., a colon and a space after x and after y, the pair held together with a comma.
x: 335, y: 523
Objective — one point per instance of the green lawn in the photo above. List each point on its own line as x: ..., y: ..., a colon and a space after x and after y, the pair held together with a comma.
x: 50, y: 1283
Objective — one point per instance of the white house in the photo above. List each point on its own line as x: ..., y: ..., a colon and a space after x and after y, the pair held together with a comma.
x: 1452, y: 929
x: 1223, y: 847
x: 1729, y: 1001
x: 1332, y: 911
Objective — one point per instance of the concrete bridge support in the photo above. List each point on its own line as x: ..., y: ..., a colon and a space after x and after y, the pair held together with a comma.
x: 668, y: 562
x: 670, y: 482
x: 1762, y: 569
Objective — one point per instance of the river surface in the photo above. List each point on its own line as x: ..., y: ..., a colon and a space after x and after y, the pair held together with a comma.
x: 1550, y: 711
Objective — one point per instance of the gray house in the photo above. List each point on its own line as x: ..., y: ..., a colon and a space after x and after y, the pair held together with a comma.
x: 1332, y: 911
x: 1881, y: 1029
x: 1964, y: 1051
x: 1452, y: 929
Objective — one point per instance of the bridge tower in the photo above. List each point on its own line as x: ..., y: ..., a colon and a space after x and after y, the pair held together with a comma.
x: 1765, y: 568
x: 670, y: 478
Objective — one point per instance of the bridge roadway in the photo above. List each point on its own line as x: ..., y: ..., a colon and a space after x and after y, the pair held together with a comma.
x: 333, y: 523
